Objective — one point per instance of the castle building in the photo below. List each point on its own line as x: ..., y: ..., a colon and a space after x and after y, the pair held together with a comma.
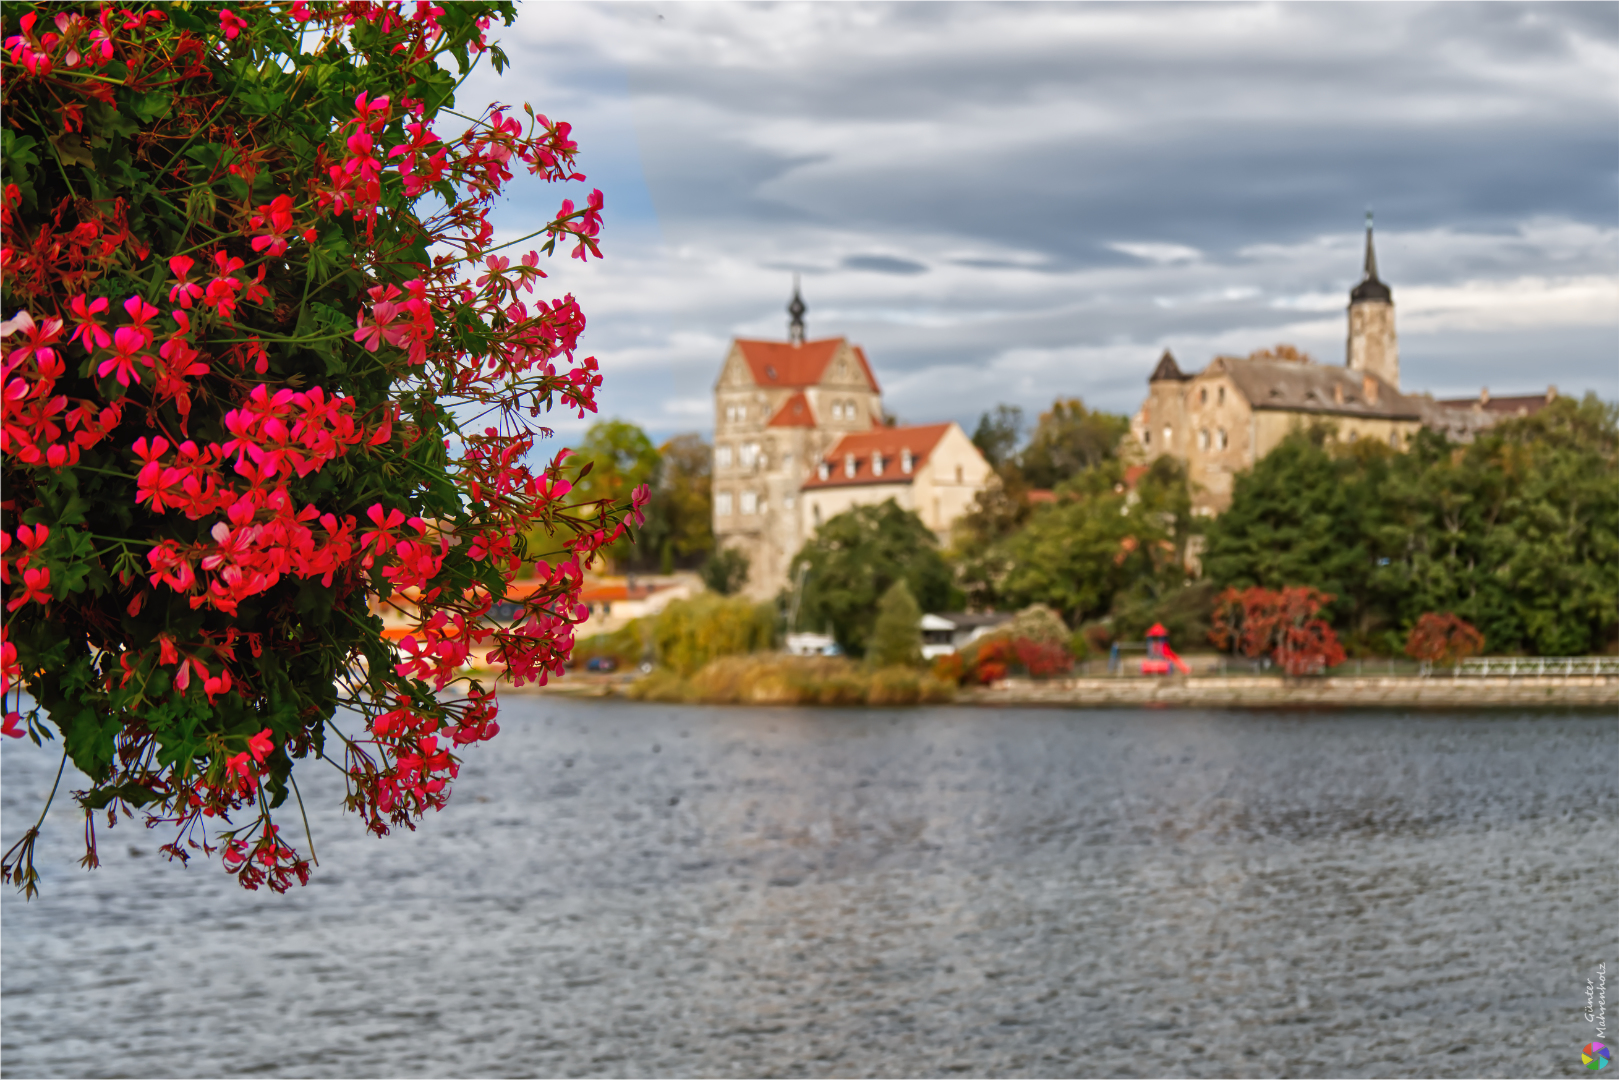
x: 799, y: 437
x: 1222, y: 420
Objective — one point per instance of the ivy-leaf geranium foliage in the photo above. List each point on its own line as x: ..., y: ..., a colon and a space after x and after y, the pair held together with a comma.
x: 265, y: 368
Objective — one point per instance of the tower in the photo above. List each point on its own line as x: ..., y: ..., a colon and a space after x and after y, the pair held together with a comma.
x: 796, y: 310
x: 1371, y: 347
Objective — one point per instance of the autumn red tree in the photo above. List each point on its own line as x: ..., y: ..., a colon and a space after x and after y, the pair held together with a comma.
x: 1283, y: 624
x: 1443, y: 638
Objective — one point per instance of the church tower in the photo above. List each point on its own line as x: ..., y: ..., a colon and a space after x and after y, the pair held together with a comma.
x: 1371, y: 347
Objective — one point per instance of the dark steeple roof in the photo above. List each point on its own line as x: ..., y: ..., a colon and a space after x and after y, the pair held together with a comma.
x: 796, y: 310
x: 1167, y: 370
x: 1370, y: 288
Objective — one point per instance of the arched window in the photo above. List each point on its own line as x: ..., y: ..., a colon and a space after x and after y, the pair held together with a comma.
x: 1220, y: 438
x: 1203, y: 396
x: 1203, y: 438
x: 1220, y: 395
x: 1168, y: 441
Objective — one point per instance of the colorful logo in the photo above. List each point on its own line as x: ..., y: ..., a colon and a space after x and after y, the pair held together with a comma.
x: 1594, y: 1055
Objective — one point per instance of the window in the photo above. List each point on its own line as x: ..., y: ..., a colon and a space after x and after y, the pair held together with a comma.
x: 1220, y: 395
x: 750, y: 502
x: 849, y: 465
x: 1168, y: 441
x: 838, y: 410
x: 722, y: 456
x: 1220, y: 438
x: 905, y: 461
x: 1203, y: 438
x: 815, y: 512
x: 787, y: 458
x: 747, y: 454
x: 824, y: 470
x: 877, y: 463
x: 1395, y: 439
x: 959, y: 474
x: 722, y: 504
x: 1147, y: 437
x: 787, y: 502
x: 1203, y: 396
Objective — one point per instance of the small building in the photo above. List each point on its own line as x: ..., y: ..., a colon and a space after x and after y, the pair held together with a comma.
x: 933, y: 470
x: 953, y: 631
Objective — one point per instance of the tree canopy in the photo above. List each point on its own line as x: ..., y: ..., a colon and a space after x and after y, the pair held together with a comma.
x: 857, y: 556
x: 1515, y: 532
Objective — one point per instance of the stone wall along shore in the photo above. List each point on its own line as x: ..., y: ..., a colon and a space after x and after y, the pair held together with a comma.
x: 1249, y: 690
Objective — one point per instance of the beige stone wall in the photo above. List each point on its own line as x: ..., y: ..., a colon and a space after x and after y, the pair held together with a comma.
x: 1371, y: 346
x: 1212, y: 433
x: 758, y: 469
x: 947, y: 484
x: 1272, y: 426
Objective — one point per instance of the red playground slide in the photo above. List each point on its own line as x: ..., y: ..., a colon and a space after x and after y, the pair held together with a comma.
x: 1160, y: 655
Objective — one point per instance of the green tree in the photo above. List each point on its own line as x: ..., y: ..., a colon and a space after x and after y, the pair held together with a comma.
x: 679, y: 530
x: 726, y: 571
x: 620, y: 458
x: 999, y: 434
x: 1514, y: 532
x: 897, y: 631
x: 1100, y: 539
x: 1068, y: 440
x: 855, y: 557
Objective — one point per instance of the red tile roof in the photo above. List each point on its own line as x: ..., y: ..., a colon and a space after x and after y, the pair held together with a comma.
x: 782, y: 363
x: 795, y: 412
x: 1040, y: 495
x: 889, y: 442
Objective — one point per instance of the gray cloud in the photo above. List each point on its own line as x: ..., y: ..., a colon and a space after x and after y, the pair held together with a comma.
x: 1030, y: 200
x: 883, y: 264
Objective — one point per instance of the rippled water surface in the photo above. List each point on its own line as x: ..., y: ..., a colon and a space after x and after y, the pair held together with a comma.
x: 647, y: 890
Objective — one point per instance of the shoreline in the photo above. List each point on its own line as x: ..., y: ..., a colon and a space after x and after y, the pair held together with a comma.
x: 1353, y: 690
x: 1243, y: 691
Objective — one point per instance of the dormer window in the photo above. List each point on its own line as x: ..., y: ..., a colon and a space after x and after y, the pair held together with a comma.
x: 849, y: 466
x: 905, y: 461
x: 824, y: 470
x: 877, y: 463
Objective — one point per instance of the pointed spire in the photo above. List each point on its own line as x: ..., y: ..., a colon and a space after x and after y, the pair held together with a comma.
x: 1369, y: 267
x: 1370, y: 288
x: 796, y: 310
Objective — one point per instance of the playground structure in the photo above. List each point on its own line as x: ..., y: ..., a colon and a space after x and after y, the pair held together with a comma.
x: 1159, y: 658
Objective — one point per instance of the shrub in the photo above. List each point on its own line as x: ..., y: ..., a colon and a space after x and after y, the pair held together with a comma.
x: 774, y: 679
x: 689, y: 633
x: 1443, y: 639
x: 948, y: 668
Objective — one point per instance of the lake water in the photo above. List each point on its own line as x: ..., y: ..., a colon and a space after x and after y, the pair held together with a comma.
x: 650, y: 890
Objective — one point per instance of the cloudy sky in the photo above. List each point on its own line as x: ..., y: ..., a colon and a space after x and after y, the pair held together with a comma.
x: 1009, y: 202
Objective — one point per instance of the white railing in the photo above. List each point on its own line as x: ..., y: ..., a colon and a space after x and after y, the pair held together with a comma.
x: 1531, y: 665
